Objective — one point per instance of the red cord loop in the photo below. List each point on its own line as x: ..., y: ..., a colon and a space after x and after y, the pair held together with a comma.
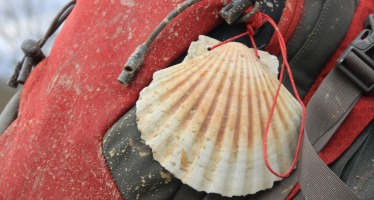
x: 256, y: 22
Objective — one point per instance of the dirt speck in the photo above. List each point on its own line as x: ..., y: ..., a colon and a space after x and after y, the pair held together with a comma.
x: 184, y: 161
x: 130, y: 3
x: 142, y: 154
x: 112, y: 152
x: 166, y: 175
x: 269, y: 4
x: 284, y: 191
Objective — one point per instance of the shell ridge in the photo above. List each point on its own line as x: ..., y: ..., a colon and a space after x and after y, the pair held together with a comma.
x: 167, y: 81
x: 182, y: 68
x: 219, y: 119
x: 274, y: 148
x: 176, y: 122
x: 212, y: 72
x: 172, y: 85
x: 288, y: 151
x: 204, y: 85
x: 155, y: 118
x: 199, y: 103
x: 230, y: 142
x: 228, y: 131
x: 244, y: 121
x: 251, y: 132
x: 265, y: 99
x: 273, y: 138
x: 257, y: 129
x: 166, y: 72
x: 205, y: 66
x: 288, y: 130
x: 242, y: 148
x: 216, y: 92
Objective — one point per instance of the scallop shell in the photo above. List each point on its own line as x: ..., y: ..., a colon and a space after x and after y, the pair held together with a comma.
x: 205, y: 119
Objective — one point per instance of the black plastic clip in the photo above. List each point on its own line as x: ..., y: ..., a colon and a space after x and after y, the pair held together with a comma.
x: 235, y: 9
x: 33, y: 55
x: 355, y: 62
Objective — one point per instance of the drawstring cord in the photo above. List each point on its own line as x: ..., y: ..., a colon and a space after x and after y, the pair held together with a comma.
x: 256, y: 22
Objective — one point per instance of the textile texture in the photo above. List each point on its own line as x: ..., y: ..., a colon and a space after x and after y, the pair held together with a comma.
x: 362, y: 113
x: 54, y: 148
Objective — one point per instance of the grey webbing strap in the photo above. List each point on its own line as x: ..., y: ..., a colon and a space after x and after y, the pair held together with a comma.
x: 325, y: 112
x: 329, y: 106
x: 317, y: 180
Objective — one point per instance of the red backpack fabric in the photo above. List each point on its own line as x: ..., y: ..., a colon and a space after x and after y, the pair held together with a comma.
x: 54, y: 147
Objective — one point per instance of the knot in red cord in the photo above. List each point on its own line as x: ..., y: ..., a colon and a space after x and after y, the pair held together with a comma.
x: 254, y: 22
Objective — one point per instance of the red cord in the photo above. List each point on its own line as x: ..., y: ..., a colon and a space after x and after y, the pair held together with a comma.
x: 255, y: 22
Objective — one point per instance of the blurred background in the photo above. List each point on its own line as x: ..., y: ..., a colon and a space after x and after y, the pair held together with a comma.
x: 21, y: 20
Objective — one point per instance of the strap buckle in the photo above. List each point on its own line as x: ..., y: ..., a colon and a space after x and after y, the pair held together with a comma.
x: 355, y: 62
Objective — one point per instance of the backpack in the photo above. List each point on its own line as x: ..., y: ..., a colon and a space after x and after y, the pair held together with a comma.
x: 72, y: 133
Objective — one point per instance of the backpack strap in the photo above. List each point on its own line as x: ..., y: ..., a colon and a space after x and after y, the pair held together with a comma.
x: 326, y: 111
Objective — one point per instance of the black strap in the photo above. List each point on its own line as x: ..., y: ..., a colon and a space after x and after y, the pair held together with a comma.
x: 361, y: 178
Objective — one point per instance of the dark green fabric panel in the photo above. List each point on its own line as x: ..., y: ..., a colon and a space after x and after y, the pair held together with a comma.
x: 308, y: 18
x: 130, y: 160
x: 361, y: 178
x: 10, y: 112
x: 329, y: 30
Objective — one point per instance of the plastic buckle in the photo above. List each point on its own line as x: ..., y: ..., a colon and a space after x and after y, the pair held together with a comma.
x: 232, y: 11
x: 359, y: 47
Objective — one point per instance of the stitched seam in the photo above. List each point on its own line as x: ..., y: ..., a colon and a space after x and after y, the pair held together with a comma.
x: 288, y: 29
x: 289, y: 25
x: 314, y: 33
x: 301, y: 22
